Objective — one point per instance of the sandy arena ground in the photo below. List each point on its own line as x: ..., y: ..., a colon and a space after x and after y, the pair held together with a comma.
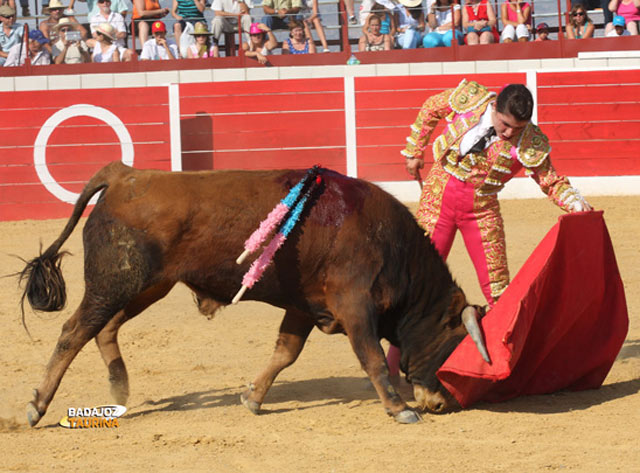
x: 321, y: 415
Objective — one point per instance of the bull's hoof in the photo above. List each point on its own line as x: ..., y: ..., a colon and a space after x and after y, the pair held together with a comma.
x: 253, y: 406
x: 407, y: 417
x: 120, y: 394
x: 33, y: 416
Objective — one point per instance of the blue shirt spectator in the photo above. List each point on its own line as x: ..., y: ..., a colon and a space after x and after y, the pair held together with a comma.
x: 10, y: 33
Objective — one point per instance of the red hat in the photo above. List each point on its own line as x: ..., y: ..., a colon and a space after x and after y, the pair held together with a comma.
x: 158, y: 26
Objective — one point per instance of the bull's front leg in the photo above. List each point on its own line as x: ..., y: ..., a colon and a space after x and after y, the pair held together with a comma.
x: 294, y: 330
x: 367, y: 347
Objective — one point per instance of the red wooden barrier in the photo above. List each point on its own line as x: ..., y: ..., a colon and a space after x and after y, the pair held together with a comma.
x: 263, y: 125
x: 52, y: 145
x: 71, y: 142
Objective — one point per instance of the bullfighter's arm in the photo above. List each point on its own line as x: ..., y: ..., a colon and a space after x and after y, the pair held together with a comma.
x: 434, y: 109
x: 558, y: 188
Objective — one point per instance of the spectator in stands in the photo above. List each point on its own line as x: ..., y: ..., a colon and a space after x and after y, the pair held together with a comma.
x: 186, y: 11
x: 386, y: 15
x: 299, y: 40
x: 580, y: 25
x: 49, y: 25
x: 10, y: 33
x: 373, y: 39
x: 280, y: 12
x: 259, y: 46
x: 55, y: 12
x: 442, y: 24
x: 93, y: 8
x: 38, y: 55
x: 105, y: 49
x: 144, y: 14
x: 311, y: 16
x: 630, y: 10
x: 516, y: 21
x: 202, y: 48
x: 24, y: 6
x: 226, y: 17
x: 159, y: 47
x: 411, y: 25
x: 350, y: 12
x: 594, y: 4
x: 106, y: 15
x: 618, y: 27
x: 479, y: 22
x: 542, y: 32
x: 68, y: 50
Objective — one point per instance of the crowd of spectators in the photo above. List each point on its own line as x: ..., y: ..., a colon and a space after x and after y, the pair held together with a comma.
x: 386, y: 24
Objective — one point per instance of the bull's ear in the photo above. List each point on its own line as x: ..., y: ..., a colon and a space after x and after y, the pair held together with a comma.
x: 482, y: 310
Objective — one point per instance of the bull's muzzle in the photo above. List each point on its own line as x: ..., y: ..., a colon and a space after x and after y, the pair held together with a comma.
x: 435, y: 402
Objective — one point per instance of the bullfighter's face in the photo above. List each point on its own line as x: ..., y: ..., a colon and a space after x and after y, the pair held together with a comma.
x: 507, y: 127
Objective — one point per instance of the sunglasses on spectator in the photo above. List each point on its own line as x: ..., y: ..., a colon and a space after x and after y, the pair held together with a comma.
x: 104, y: 1
x: 8, y: 17
x: 578, y: 13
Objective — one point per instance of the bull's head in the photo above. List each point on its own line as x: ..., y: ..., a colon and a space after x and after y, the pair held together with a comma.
x: 440, y: 335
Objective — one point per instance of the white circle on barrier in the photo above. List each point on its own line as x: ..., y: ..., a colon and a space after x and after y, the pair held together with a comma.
x: 78, y: 110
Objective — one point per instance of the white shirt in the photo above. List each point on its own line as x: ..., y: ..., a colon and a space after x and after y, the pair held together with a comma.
x: 153, y: 51
x: 229, y: 6
x: 115, y: 19
x: 614, y: 34
x: 73, y: 55
x: 472, y: 136
x: 118, y: 6
x: 99, y: 56
x: 442, y: 16
x: 42, y: 58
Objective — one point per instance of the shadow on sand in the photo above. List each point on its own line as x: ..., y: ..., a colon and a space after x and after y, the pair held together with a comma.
x: 320, y: 392
x: 343, y: 390
x: 564, y: 401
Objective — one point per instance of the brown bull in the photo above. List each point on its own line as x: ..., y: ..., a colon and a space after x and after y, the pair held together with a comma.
x: 357, y: 263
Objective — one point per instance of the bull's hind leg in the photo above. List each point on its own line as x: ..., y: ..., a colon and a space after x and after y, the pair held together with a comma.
x: 107, y: 340
x: 81, y: 327
x: 294, y: 330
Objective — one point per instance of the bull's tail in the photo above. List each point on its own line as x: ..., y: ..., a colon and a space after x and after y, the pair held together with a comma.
x: 44, y: 285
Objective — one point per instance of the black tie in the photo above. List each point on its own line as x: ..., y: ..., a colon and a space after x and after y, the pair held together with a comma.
x: 482, y: 142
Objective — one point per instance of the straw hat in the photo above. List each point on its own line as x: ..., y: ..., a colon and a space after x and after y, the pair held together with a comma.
x: 66, y: 22
x: 56, y: 5
x: 108, y: 30
x: 411, y: 3
x: 7, y: 11
x: 200, y: 29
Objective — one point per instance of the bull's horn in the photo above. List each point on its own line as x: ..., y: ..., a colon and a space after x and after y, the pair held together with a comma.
x: 470, y: 321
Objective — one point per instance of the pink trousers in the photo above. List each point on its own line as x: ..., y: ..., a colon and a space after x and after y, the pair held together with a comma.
x: 453, y: 205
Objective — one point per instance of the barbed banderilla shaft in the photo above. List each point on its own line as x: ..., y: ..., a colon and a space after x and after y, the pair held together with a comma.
x: 258, y: 267
x: 259, y: 236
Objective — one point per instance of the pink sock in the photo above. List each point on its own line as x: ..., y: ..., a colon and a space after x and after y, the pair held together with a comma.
x: 393, y: 360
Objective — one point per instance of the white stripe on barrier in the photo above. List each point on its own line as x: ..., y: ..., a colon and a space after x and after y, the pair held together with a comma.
x: 350, y: 126
x: 174, y: 127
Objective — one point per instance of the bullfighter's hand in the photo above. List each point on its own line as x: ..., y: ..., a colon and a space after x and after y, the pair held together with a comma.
x: 581, y: 205
x: 413, y: 167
